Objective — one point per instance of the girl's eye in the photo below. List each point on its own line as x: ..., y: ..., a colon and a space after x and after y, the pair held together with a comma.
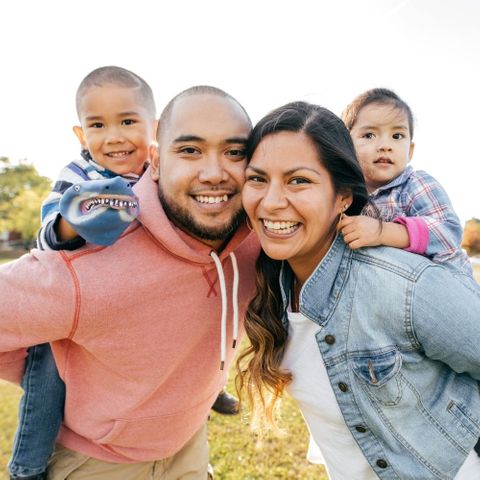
x: 398, y: 136
x: 128, y: 121
x: 368, y: 135
x: 96, y: 125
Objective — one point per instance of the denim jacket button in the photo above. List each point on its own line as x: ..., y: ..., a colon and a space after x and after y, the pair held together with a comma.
x: 360, y: 428
x: 382, y: 463
x: 329, y: 339
x: 343, y: 387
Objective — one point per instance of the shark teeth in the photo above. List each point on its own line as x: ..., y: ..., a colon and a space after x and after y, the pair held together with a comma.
x: 211, y: 199
x: 108, y: 202
x: 283, y: 227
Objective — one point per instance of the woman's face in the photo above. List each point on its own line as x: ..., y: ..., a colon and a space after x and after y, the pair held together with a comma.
x: 290, y: 201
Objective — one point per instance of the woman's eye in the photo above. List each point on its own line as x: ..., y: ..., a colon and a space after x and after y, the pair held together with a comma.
x: 254, y: 178
x: 299, y: 181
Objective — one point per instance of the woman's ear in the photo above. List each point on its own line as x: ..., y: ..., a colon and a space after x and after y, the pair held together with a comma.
x: 346, y: 199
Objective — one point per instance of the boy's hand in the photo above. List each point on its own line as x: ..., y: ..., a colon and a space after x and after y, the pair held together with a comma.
x: 100, y: 210
x: 360, y: 231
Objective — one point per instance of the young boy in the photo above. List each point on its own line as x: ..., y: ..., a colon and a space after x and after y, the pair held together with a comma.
x: 415, y: 210
x: 116, y: 109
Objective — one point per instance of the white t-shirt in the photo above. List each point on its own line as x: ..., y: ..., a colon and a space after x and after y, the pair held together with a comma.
x: 332, y: 443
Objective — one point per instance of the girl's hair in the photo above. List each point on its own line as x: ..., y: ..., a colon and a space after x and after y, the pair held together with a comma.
x: 382, y: 96
x: 258, y: 366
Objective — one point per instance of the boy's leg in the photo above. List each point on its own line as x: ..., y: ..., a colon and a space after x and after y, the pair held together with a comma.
x: 40, y: 414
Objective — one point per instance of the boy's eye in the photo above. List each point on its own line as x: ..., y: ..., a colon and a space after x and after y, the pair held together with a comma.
x: 398, y: 136
x: 96, y: 125
x: 368, y: 135
x: 128, y: 121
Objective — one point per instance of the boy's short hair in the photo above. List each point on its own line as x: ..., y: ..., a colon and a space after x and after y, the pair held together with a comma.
x: 117, y: 76
x: 195, y: 90
x: 382, y: 96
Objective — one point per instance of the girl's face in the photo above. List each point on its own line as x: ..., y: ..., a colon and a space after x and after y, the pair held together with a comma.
x: 290, y: 201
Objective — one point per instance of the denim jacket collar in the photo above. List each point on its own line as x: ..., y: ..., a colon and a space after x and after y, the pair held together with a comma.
x: 320, y: 292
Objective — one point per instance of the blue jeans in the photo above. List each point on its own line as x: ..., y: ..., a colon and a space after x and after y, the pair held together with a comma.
x: 40, y: 413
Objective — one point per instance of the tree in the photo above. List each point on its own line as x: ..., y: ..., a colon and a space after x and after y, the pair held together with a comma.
x: 22, y: 191
x: 471, y: 237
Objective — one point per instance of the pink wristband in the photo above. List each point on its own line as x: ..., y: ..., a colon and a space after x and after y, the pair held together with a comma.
x: 417, y: 233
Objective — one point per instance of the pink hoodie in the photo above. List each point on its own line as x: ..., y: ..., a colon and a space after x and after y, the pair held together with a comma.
x: 135, y: 330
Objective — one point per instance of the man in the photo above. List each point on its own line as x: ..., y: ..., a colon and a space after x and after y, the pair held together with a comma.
x: 139, y: 329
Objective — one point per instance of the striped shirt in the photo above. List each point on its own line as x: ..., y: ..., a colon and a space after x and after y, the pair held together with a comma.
x: 415, y: 193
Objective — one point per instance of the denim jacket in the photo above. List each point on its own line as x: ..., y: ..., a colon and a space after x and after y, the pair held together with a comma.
x: 401, y: 345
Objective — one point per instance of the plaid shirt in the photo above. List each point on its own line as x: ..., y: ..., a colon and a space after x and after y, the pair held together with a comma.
x: 415, y: 193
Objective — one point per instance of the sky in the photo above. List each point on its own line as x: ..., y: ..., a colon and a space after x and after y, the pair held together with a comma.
x: 263, y: 52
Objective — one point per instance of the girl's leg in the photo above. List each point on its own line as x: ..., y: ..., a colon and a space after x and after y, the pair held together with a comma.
x: 40, y: 414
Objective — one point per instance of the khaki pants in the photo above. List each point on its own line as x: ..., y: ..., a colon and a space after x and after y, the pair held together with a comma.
x: 190, y: 463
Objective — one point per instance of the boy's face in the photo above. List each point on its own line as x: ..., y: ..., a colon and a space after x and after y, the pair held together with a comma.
x: 200, y: 169
x: 382, y: 141
x: 115, y: 128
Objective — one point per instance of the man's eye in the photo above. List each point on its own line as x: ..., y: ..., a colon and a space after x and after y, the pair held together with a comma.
x: 188, y: 150
x: 398, y: 136
x: 128, y: 121
x: 237, y: 152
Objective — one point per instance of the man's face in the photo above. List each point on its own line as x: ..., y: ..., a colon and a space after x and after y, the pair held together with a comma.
x: 200, y: 170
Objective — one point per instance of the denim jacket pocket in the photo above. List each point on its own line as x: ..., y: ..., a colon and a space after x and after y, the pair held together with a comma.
x: 377, y: 373
x: 465, y: 420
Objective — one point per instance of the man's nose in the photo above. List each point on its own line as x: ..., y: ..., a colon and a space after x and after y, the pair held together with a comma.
x: 213, y: 170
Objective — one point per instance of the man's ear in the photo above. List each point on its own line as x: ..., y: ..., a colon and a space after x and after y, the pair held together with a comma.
x: 78, y: 131
x: 154, y: 160
x: 410, y: 152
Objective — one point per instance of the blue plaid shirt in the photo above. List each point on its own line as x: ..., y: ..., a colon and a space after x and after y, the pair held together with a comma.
x: 415, y: 193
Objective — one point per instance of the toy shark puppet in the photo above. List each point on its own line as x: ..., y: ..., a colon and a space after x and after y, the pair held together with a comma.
x: 100, y: 210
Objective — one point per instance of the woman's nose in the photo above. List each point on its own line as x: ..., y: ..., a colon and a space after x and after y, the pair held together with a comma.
x: 274, y: 198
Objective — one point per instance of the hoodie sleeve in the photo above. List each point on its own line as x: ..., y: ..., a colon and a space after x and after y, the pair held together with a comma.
x: 38, y: 304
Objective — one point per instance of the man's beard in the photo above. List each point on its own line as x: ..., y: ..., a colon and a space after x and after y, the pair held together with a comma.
x: 183, y: 219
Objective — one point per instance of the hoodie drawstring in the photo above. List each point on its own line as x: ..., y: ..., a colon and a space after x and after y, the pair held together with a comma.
x: 223, y: 291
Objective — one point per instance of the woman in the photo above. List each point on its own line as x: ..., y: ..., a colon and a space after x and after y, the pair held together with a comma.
x: 378, y: 346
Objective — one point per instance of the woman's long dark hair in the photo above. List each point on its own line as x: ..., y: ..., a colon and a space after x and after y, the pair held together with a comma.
x: 258, y: 366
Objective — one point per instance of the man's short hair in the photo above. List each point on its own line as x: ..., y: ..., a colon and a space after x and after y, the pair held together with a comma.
x: 189, y: 92
x: 122, y: 78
